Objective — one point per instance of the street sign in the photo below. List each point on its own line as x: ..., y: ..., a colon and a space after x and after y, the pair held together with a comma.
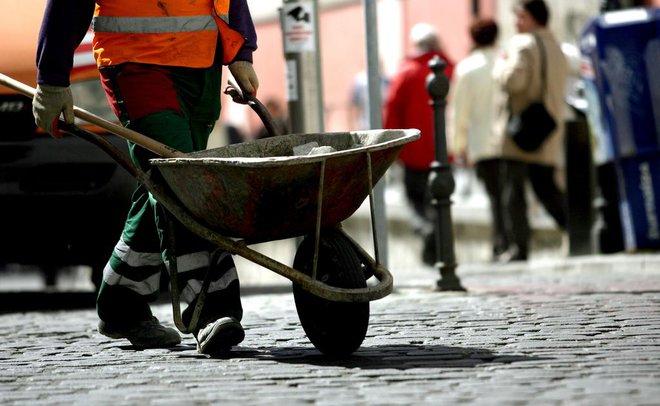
x: 299, y: 27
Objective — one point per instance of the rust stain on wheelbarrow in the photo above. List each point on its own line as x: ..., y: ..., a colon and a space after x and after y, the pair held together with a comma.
x: 262, y: 191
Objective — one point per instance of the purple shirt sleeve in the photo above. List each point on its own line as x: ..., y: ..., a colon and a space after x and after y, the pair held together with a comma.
x: 240, y: 20
x: 64, y: 26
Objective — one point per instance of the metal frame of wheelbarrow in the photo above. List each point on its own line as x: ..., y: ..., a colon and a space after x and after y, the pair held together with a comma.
x: 240, y: 247
x: 235, y: 247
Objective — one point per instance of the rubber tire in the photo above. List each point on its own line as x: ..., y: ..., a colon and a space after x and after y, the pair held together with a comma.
x: 335, y: 328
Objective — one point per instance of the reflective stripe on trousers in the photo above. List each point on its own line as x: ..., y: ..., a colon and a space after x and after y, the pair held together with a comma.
x: 147, y: 285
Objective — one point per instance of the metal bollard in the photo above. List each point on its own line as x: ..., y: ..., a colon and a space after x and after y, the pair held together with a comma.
x: 441, y: 181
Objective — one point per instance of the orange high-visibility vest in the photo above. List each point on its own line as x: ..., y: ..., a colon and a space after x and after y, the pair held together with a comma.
x: 172, y: 33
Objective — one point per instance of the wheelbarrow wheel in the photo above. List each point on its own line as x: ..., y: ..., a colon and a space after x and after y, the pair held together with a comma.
x: 335, y: 328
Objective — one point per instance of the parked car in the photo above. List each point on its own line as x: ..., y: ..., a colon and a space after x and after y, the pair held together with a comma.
x: 62, y: 202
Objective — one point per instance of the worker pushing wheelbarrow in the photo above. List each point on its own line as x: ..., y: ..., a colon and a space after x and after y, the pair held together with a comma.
x: 191, y: 211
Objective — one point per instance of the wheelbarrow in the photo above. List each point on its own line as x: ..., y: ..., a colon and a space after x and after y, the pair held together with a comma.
x: 271, y: 189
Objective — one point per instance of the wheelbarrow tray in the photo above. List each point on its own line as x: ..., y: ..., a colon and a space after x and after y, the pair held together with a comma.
x: 261, y: 191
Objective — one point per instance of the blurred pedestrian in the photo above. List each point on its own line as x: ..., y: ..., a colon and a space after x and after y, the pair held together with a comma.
x: 519, y: 73
x: 358, y: 112
x: 160, y: 65
x: 408, y: 106
x: 470, y: 120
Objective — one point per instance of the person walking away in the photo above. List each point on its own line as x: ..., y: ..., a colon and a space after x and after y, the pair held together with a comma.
x: 471, y: 114
x: 519, y: 74
x: 358, y: 106
x: 408, y: 106
x: 160, y: 65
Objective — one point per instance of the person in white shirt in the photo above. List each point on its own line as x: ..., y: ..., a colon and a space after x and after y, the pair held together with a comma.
x: 470, y: 121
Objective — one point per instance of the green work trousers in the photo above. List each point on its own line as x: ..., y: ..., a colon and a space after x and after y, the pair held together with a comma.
x: 177, y: 107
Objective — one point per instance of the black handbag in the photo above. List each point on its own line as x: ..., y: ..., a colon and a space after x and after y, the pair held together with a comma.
x: 533, y: 125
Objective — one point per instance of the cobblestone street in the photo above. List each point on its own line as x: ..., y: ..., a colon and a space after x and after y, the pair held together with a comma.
x: 579, y: 335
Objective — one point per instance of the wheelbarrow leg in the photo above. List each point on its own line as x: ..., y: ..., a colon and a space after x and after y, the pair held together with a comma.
x: 174, y: 282
x: 372, y: 208
x: 319, y: 211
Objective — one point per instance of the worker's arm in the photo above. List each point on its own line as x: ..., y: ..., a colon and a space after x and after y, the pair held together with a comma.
x: 241, y: 68
x: 64, y: 26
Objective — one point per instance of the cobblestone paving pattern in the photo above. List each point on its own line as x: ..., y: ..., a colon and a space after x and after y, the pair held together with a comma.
x: 497, y: 344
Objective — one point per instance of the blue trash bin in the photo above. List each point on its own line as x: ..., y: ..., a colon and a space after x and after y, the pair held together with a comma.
x: 620, y: 66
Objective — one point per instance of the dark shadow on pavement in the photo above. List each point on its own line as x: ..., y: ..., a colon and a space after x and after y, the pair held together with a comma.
x: 400, y: 357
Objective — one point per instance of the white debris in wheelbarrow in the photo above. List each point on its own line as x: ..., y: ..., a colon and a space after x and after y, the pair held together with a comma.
x: 313, y: 148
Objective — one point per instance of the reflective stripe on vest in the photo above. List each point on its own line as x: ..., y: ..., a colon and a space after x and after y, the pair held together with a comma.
x: 142, y: 33
x: 153, y: 25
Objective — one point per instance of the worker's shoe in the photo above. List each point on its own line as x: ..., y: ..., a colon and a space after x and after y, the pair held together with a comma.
x: 218, y: 336
x: 147, y: 334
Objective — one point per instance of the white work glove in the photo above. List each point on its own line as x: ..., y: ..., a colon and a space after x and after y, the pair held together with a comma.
x: 245, y: 75
x: 47, y: 104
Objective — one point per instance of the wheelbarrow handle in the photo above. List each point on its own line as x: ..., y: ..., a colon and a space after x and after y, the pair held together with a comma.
x: 128, y: 134
x: 237, y: 94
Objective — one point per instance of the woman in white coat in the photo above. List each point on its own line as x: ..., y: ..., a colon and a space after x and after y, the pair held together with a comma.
x: 470, y: 121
